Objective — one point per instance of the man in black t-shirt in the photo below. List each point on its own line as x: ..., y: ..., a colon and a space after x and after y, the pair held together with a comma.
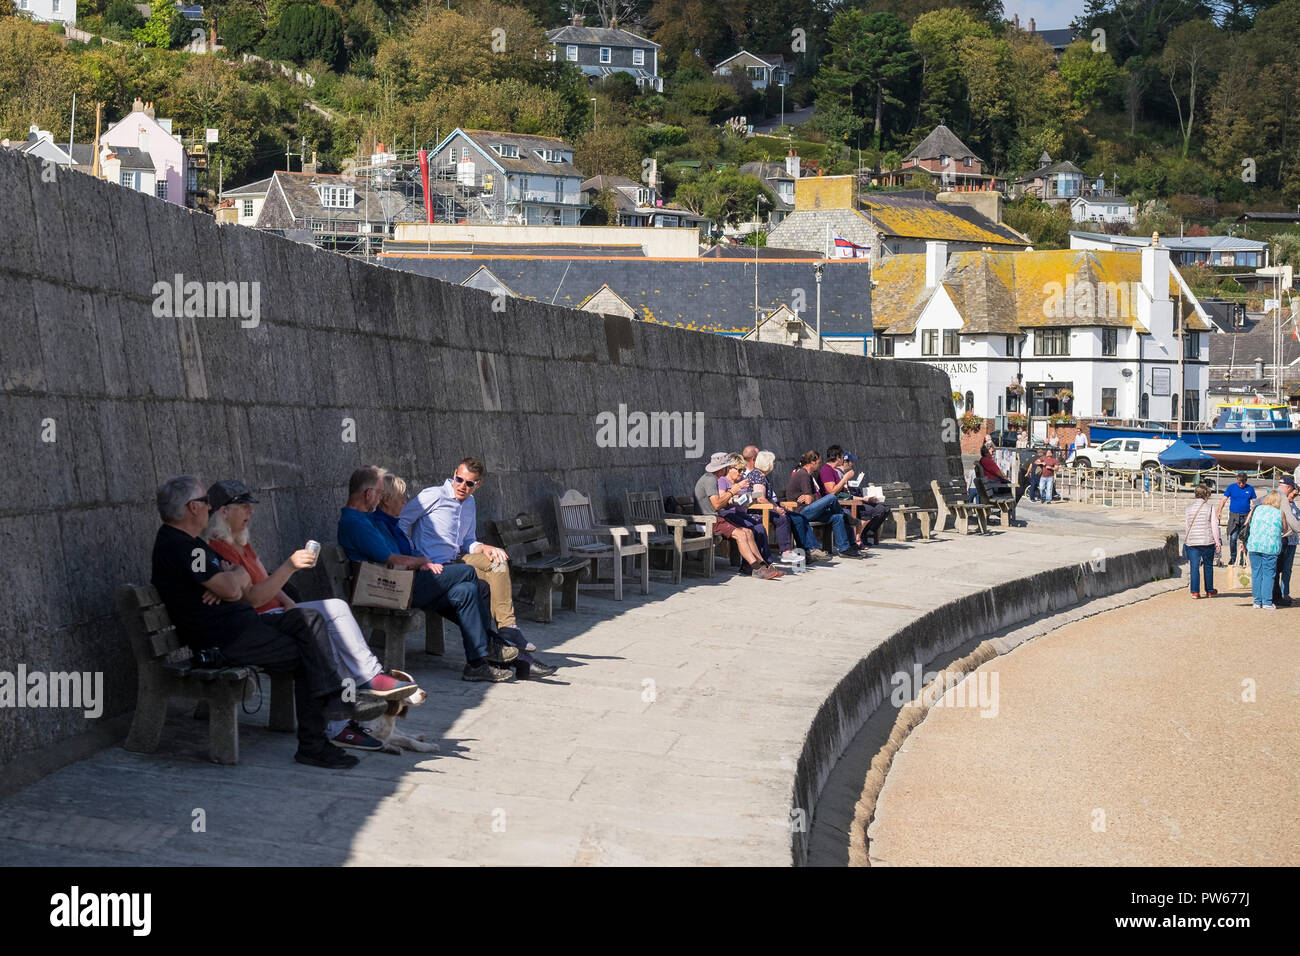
x: 204, y: 598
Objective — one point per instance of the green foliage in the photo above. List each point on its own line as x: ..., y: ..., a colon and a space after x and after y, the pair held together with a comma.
x: 1092, y: 76
x: 1156, y: 216
x: 242, y: 30
x: 165, y: 27
x: 307, y: 32
x: 725, y: 197
x: 603, y: 211
x: 1047, y: 226
x: 123, y: 14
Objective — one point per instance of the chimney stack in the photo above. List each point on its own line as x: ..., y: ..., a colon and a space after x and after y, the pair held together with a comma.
x: 936, y: 261
x: 1033, y: 28
x: 310, y: 168
x: 577, y: 20
x: 792, y: 163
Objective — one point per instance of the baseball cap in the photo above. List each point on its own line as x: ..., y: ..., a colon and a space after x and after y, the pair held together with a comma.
x: 851, y: 458
x: 229, y: 492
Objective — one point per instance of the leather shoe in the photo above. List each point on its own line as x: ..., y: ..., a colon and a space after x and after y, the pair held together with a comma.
x: 533, y: 671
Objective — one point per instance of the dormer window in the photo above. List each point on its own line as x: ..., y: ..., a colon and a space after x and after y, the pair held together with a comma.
x: 336, y: 197
x: 506, y: 150
x: 968, y: 162
x: 643, y: 196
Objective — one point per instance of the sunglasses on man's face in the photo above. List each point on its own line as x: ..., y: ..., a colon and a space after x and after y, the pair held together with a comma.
x: 469, y: 483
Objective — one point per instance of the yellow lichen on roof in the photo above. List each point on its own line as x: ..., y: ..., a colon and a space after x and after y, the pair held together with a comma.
x: 939, y: 224
x: 1006, y: 291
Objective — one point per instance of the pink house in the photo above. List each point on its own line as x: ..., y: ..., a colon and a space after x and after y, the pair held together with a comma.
x: 140, y: 130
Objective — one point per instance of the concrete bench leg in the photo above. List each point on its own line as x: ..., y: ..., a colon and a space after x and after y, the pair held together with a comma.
x: 544, y: 598
x: 678, y: 558
x: 147, y: 724
x: 900, y: 527
x: 569, y: 595
x: 617, y: 561
x: 283, y: 718
x: 395, y: 647
x: 434, y: 634
x: 223, y: 724
x: 645, y: 571
x: 925, y: 525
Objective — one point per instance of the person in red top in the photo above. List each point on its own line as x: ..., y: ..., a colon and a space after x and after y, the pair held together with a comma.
x: 989, y: 468
x: 1047, y: 478
x: 227, y: 534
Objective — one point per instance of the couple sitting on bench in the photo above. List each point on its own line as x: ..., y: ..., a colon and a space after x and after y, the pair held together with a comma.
x: 213, y: 599
x: 455, y: 574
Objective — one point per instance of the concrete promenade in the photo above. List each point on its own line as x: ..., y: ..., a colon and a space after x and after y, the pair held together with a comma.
x: 1159, y: 734
x: 681, y: 729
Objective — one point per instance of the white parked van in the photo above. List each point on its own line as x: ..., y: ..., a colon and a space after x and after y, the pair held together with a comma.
x: 1129, y: 454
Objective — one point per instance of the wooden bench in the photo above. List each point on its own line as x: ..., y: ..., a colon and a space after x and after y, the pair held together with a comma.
x: 950, y: 501
x: 582, y: 536
x: 384, y: 627
x: 538, y: 567
x: 669, y: 536
x: 999, y: 497
x: 903, y: 505
x: 164, y: 671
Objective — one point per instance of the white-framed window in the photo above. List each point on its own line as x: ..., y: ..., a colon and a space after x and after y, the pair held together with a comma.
x: 968, y: 161
x: 506, y: 150
x: 336, y: 197
x: 638, y: 57
x: 160, y: 189
x: 58, y: 5
x: 943, y: 160
x: 571, y: 53
x: 128, y: 179
x: 605, y: 56
x: 248, y: 209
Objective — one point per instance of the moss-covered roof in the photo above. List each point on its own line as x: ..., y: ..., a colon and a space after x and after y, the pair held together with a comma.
x: 1007, y: 292
x: 948, y: 222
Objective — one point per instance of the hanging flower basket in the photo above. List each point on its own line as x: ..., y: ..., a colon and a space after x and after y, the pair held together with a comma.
x: 1017, y: 422
x: 1016, y: 389
x: 1063, y: 418
x: 970, y: 422
x: 957, y: 399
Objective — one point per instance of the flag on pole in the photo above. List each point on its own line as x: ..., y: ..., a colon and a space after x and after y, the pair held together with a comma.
x: 847, y: 249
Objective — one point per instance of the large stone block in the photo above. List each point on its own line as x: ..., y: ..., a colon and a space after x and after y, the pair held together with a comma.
x: 22, y: 364
x: 20, y: 178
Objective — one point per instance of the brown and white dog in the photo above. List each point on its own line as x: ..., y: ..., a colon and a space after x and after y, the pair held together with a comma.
x: 384, y: 727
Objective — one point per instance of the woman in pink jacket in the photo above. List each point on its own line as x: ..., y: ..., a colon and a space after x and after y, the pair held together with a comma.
x: 1201, y: 540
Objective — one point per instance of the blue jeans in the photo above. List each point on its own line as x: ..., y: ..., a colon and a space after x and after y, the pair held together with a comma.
x: 827, y: 508
x: 1262, y: 567
x: 455, y: 594
x: 1047, y: 489
x: 1201, y: 556
x: 1284, y: 562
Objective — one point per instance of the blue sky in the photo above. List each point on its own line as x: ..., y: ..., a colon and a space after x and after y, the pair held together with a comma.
x: 1049, y: 14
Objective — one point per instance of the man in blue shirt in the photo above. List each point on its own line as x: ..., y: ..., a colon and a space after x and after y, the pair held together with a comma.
x: 437, y: 589
x: 1241, y: 499
x: 441, y: 523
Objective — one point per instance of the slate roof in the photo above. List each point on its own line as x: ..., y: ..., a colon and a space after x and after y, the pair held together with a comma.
x: 599, y: 36
x: 132, y: 157
x: 372, y: 205
x: 1005, y: 292
x: 710, y: 295
x: 764, y: 252
x: 925, y: 219
x: 1065, y: 166
x: 258, y: 188
x: 941, y: 142
x: 1182, y: 243
x: 468, y: 247
x: 1256, y: 340
x: 528, y: 161
x: 1056, y: 38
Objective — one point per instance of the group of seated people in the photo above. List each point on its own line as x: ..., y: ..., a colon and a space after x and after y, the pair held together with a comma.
x: 817, y: 491
x: 224, y: 603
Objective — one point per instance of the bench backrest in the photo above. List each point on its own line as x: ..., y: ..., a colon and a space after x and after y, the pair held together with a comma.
x: 573, y: 513
x: 338, y: 569
x: 987, y: 494
x: 523, y: 537
x: 153, y: 636
x: 951, y: 490
x: 645, y: 507
x: 899, y: 494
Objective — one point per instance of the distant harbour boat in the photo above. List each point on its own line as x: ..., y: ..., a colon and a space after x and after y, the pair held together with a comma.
x: 1243, y: 435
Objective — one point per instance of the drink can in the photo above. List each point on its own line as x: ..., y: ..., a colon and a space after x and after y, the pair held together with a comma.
x: 313, y: 547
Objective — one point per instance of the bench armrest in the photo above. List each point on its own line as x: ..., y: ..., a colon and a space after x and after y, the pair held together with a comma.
x: 675, y: 522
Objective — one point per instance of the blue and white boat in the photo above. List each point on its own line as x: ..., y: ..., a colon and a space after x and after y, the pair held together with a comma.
x: 1242, y: 435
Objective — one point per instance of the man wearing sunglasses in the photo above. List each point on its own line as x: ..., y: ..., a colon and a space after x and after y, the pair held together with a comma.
x: 441, y: 523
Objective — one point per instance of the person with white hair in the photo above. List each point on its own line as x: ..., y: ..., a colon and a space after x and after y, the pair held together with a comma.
x: 227, y: 534
x: 788, y: 524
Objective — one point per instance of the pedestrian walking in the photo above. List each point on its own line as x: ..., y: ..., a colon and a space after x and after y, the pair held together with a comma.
x: 1264, y: 544
x: 1201, y: 541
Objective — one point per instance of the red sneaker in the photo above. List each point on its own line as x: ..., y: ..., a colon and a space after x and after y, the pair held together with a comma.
x: 388, y: 688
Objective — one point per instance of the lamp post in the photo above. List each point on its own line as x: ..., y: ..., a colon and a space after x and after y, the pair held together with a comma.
x: 593, y: 113
x: 817, y: 272
x: 782, y: 85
